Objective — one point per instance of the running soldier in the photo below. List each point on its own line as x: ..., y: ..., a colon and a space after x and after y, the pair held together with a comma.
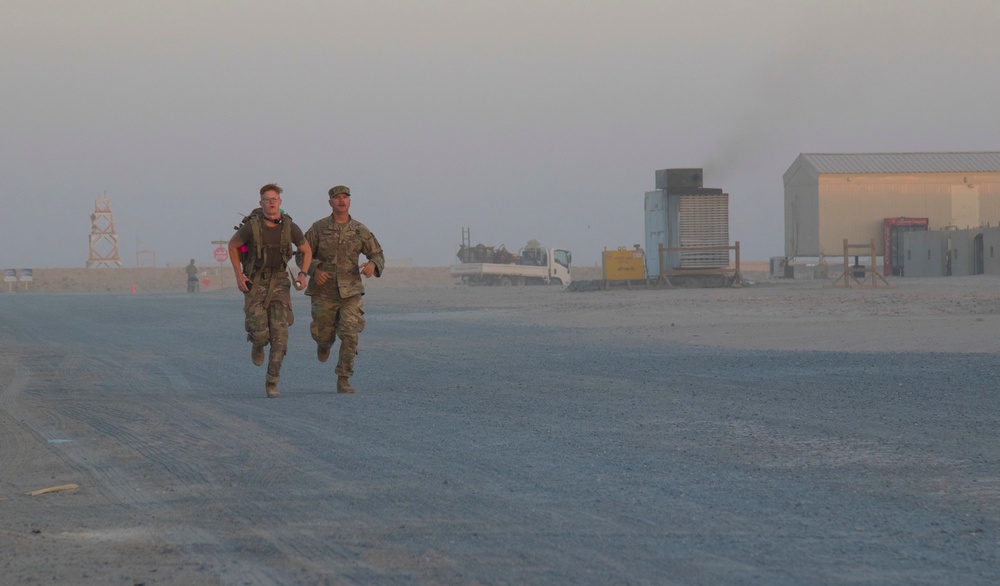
x: 263, y: 246
x: 335, y: 287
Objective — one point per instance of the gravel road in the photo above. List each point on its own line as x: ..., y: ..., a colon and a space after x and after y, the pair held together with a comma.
x: 483, y: 447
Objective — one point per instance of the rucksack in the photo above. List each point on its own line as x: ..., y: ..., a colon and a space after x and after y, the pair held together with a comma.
x: 252, y: 257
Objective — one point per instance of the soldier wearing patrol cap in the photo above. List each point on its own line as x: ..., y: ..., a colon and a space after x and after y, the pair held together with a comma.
x: 335, y: 286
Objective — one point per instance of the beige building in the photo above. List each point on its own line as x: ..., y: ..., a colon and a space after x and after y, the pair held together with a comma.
x: 832, y: 197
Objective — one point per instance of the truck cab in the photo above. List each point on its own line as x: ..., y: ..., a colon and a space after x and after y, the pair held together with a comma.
x: 557, y: 261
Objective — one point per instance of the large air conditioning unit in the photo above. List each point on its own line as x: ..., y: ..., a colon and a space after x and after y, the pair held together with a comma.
x: 682, y: 213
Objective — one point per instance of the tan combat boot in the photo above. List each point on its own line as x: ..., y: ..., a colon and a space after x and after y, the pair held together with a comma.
x: 344, y: 385
x: 322, y: 353
x: 272, y: 390
x: 257, y: 355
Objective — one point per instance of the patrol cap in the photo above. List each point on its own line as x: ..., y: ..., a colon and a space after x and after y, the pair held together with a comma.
x: 340, y: 189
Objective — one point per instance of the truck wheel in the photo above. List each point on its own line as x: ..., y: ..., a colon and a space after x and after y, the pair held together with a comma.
x: 506, y: 282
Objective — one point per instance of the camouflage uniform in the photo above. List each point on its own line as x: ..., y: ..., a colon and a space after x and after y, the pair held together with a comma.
x: 268, y: 304
x: 337, y: 308
x: 268, y: 309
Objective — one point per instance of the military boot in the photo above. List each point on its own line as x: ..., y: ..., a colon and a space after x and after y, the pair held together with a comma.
x: 344, y: 385
x: 272, y: 390
x: 257, y: 355
x: 322, y: 353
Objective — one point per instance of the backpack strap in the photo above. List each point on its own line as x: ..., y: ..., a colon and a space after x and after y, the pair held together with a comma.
x: 258, y: 242
x: 286, y: 238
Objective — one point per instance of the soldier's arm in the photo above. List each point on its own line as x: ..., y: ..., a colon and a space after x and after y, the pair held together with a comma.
x: 373, y: 252
x: 234, y: 257
x: 307, y: 255
x: 300, y: 254
x: 314, y: 268
x: 312, y: 237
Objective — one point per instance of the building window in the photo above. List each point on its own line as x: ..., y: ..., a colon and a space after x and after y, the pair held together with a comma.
x: 908, y: 255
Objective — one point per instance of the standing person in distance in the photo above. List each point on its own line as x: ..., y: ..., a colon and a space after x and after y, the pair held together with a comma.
x: 336, y: 288
x: 192, y: 273
x: 266, y: 237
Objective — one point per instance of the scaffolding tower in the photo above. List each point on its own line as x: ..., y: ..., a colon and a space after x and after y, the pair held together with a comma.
x: 103, y: 238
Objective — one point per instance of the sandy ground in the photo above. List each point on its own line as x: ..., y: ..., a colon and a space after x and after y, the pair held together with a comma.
x: 174, y: 280
x: 783, y: 433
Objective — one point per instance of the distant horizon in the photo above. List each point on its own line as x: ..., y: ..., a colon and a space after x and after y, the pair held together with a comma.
x: 389, y: 265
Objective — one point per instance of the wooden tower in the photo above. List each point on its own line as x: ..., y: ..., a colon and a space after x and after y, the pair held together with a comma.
x: 103, y: 238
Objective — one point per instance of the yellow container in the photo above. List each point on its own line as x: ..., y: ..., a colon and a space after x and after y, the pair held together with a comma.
x: 623, y: 264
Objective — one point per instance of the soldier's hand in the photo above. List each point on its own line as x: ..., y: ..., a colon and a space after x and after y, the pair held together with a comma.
x: 321, y: 276
x: 243, y: 283
x: 367, y: 269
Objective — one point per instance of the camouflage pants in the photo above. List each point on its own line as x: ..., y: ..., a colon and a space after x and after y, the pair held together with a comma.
x: 343, y: 317
x: 269, y: 324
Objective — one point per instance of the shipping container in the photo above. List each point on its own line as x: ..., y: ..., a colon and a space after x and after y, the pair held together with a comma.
x: 893, y: 262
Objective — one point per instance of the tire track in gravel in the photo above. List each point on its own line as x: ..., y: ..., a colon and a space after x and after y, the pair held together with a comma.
x: 38, y: 425
x: 115, y: 438
x: 97, y: 386
x: 262, y: 464
x: 93, y: 456
x: 129, y: 411
x: 177, y: 438
x: 15, y: 436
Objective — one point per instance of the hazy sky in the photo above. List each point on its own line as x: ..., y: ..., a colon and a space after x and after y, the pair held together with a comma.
x: 518, y: 119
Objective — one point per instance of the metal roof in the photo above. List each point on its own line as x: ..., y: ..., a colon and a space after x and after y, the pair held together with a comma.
x: 904, y: 162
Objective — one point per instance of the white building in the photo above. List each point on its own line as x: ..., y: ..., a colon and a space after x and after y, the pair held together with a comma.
x: 833, y: 197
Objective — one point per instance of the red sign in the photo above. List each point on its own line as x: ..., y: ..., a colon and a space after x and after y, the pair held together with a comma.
x: 221, y: 254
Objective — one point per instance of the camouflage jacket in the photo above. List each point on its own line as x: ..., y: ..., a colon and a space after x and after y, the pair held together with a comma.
x: 340, y: 256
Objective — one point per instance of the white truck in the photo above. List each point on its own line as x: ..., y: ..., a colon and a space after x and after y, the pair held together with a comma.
x: 532, y: 266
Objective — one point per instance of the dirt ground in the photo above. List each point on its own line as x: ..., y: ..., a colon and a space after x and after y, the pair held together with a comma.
x: 174, y: 279
x: 783, y: 433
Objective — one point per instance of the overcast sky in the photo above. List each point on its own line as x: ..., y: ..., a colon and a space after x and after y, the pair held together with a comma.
x: 517, y: 119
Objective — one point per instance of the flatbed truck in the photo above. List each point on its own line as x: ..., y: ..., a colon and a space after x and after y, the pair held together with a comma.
x: 534, y: 266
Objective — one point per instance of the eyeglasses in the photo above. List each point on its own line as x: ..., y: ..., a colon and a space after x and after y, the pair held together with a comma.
x: 270, y: 200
